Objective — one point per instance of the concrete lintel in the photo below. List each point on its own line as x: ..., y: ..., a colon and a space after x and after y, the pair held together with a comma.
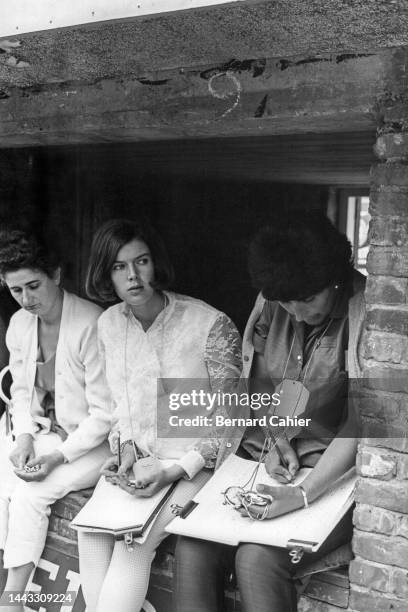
x: 253, y: 97
x: 214, y: 35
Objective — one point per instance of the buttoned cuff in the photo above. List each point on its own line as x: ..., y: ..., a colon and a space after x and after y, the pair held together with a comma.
x: 192, y: 463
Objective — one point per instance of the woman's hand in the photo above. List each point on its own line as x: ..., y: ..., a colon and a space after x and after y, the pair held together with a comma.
x: 150, y: 477
x: 274, y: 467
x: 285, y: 499
x: 109, y: 469
x: 114, y: 473
x: 46, y: 464
x: 23, y: 451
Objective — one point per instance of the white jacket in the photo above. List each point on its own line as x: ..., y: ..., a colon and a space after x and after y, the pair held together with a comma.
x: 82, y: 404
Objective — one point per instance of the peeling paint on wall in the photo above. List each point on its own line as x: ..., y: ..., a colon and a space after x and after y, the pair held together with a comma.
x: 153, y: 82
x: 14, y: 62
x: 255, y: 66
x: 6, y: 46
x: 284, y: 64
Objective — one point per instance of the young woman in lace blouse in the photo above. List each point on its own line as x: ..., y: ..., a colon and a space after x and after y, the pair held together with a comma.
x: 152, y: 334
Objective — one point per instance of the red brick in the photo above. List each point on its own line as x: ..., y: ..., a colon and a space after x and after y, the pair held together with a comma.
x: 312, y: 605
x: 388, y: 320
x: 383, y: 378
x: 389, y: 201
x: 391, y: 495
x: 399, y: 583
x: 370, y: 575
x: 397, y: 112
x: 389, y: 231
x: 396, y: 444
x: 374, y: 463
x: 388, y: 261
x: 384, y: 435
x: 366, y: 601
x: 381, y: 406
x: 376, y: 520
x: 386, y: 290
x: 402, y: 527
x: 390, y: 348
x: 381, y: 549
x: 402, y: 468
x: 389, y: 174
x: 392, y: 146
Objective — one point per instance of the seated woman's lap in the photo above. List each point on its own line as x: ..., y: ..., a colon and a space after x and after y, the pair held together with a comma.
x: 24, y: 514
x: 78, y: 474
x: 264, y: 573
x: 200, y: 571
x: 114, y: 578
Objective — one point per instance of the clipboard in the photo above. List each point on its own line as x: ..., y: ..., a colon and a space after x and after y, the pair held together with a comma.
x: 112, y: 510
x: 304, y: 530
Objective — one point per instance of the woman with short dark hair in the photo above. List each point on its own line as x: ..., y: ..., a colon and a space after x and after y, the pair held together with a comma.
x: 153, y: 342
x: 306, y: 327
x: 109, y: 239
x: 60, y: 402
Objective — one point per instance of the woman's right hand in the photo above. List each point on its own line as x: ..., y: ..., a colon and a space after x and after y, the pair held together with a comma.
x: 23, y: 451
x: 114, y: 473
x: 273, y: 464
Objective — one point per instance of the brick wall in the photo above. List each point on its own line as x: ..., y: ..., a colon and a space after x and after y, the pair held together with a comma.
x: 379, y: 573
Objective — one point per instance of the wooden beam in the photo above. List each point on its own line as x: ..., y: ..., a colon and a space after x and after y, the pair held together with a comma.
x: 250, y: 97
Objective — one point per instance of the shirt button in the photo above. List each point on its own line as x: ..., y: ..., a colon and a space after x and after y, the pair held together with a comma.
x: 246, y: 358
x: 299, y: 357
x: 228, y: 444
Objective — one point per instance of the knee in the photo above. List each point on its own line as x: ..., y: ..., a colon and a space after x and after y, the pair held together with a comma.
x: 197, y: 555
x: 29, y: 497
x: 254, y: 560
x: 23, y: 493
x: 189, y: 550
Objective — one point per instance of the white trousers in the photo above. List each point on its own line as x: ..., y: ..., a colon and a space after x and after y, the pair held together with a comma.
x: 25, y: 506
x: 8, y: 479
x: 114, y: 578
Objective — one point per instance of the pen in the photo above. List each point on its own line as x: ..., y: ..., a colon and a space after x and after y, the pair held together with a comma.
x: 118, y: 451
x: 280, y: 455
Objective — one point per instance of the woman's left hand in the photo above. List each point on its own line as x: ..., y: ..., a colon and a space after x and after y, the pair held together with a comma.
x: 285, y: 499
x: 46, y: 464
x: 148, y: 478
x: 151, y: 476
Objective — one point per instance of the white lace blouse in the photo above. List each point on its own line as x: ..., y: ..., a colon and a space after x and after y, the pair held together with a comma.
x: 188, y: 340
